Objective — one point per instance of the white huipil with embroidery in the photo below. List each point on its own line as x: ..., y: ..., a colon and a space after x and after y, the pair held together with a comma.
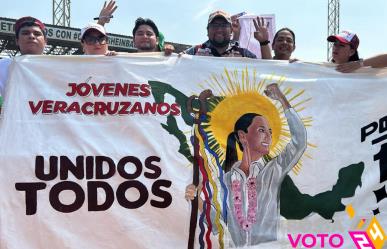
x: 246, y: 227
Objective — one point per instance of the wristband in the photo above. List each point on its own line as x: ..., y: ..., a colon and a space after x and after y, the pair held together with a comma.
x: 264, y: 43
x: 100, y: 17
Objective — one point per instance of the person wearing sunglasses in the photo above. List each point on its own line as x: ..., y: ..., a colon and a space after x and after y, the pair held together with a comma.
x: 94, y: 40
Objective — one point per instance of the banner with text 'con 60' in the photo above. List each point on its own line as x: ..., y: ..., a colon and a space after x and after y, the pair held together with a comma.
x: 148, y: 151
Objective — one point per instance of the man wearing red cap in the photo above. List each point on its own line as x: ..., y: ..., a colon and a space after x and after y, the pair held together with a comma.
x: 31, y: 38
x: 31, y: 35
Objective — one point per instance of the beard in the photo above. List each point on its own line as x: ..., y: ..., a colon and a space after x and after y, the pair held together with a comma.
x: 146, y: 46
x: 220, y: 44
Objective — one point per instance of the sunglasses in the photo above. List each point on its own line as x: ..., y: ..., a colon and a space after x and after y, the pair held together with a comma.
x: 91, y: 40
x: 219, y: 25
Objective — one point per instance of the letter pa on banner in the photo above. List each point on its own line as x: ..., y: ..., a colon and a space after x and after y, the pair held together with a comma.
x: 103, y: 152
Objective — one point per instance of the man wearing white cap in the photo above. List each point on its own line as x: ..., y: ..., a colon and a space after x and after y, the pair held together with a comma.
x: 94, y: 40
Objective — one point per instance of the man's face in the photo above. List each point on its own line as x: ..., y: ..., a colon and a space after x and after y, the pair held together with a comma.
x: 145, y: 39
x: 94, y: 43
x: 284, y: 45
x: 31, y: 40
x: 219, y: 32
x: 258, y: 136
x: 341, y: 52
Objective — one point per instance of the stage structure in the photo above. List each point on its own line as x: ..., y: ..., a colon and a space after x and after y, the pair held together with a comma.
x: 333, y: 23
x: 61, y: 12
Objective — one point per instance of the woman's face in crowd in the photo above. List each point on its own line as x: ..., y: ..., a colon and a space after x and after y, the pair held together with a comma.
x: 341, y: 52
x: 284, y: 44
x: 145, y: 38
x: 94, y: 43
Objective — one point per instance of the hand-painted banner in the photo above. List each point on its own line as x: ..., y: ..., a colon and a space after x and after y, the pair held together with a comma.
x: 148, y: 151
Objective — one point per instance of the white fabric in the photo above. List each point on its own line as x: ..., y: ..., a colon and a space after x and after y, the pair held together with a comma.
x: 333, y: 106
x: 246, y: 37
x: 4, y: 66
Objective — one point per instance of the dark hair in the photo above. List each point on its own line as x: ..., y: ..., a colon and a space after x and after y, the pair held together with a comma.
x: 285, y: 29
x: 145, y: 21
x: 354, y: 57
x: 240, y: 125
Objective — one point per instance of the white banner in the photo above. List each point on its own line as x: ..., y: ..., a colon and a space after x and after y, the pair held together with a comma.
x: 97, y: 152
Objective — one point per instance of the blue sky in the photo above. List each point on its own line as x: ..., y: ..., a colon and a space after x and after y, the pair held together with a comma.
x: 185, y: 21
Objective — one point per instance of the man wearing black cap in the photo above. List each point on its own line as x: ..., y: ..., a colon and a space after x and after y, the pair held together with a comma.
x: 219, y: 42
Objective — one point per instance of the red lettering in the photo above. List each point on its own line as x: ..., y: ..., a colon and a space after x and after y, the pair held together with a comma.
x: 108, y: 89
x: 137, y: 108
x: 97, y: 89
x: 84, y: 89
x: 133, y: 89
x: 150, y: 107
x: 99, y: 108
x: 121, y: 89
x: 85, y: 110
x: 175, y: 109
x: 47, y: 107
x: 163, y: 108
x: 74, y: 107
x: 60, y: 106
x: 144, y: 90
x: 35, y: 108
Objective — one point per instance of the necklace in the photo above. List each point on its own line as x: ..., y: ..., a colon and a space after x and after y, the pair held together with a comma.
x: 245, y: 223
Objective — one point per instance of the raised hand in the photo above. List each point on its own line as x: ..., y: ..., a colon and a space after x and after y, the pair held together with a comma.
x: 273, y: 92
x: 261, y: 30
x: 106, y: 12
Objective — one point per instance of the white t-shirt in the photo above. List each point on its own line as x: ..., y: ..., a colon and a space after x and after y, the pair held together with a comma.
x: 4, y: 66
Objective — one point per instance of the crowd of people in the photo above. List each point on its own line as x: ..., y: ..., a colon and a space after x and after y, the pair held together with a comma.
x: 222, y: 31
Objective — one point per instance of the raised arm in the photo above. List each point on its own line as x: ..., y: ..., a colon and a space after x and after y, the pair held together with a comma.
x: 293, y: 151
x: 261, y: 34
x: 106, y: 12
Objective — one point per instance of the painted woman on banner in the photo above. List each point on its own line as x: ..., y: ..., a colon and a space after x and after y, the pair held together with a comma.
x: 253, y: 183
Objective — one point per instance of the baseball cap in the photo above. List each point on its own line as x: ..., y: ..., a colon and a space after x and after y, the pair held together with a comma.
x: 219, y: 13
x: 30, y: 21
x: 346, y: 37
x: 95, y: 26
